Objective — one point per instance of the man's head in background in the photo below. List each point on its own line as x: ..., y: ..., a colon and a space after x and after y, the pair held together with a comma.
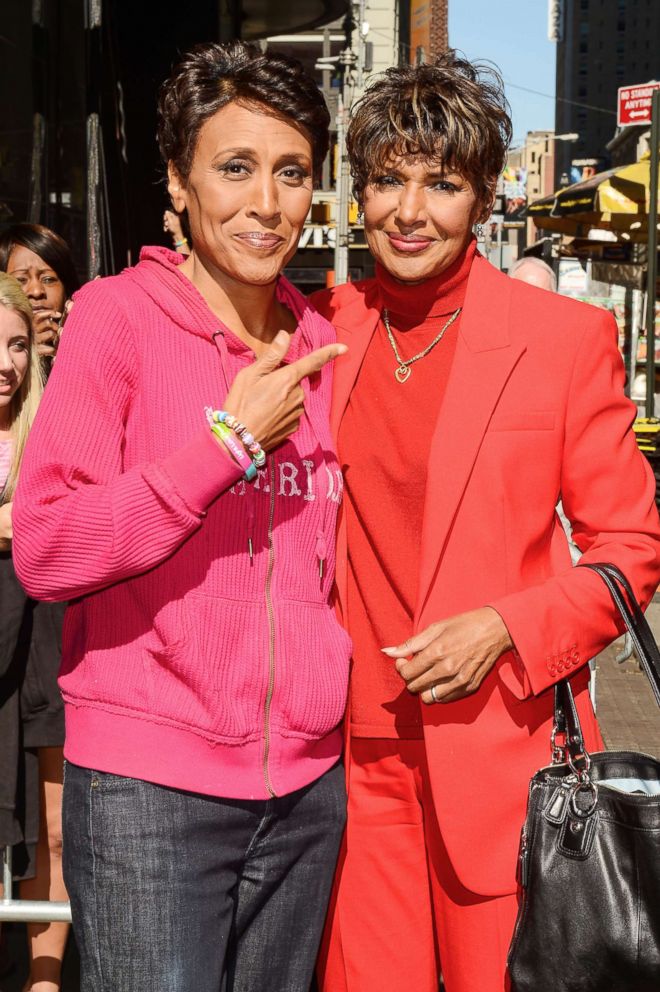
x: 535, y: 272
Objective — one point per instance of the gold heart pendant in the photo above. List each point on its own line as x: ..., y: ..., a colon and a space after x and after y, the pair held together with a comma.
x: 402, y: 373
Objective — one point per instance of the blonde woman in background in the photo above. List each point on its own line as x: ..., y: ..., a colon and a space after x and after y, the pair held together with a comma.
x: 31, y: 715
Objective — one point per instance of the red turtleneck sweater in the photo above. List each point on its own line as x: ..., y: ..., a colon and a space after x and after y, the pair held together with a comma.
x: 384, y: 443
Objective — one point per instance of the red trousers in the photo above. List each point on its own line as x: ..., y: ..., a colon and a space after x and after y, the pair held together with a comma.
x: 398, y: 913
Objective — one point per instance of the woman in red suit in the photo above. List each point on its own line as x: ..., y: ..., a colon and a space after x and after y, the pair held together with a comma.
x: 467, y: 405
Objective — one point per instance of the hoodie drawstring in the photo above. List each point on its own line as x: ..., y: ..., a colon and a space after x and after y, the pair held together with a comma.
x: 251, y: 496
x: 321, y: 549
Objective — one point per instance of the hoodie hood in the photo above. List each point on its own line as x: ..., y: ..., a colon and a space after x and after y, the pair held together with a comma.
x: 158, y: 275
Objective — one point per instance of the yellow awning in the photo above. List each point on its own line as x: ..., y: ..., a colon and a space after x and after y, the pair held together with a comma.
x: 616, y: 200
x: 633, y: 183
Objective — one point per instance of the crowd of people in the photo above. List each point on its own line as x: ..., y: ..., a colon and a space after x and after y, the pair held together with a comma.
x: 317, y: 589
x: 37, y: 279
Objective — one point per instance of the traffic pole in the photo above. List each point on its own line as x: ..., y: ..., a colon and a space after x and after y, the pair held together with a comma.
x: 652, y: 265
x: 348, y: 60
x: 343, y: 193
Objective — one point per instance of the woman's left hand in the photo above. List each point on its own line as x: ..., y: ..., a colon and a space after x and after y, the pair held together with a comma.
x: 453, y: 655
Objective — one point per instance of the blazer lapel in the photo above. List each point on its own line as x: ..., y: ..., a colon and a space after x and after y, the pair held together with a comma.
x: 355, y: 326
x: 485, y: 357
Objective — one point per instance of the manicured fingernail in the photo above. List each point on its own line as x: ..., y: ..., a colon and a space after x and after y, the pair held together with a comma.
x: 390, y: 651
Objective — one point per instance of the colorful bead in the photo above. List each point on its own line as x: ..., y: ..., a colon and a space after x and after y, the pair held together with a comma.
x: 242, y: 445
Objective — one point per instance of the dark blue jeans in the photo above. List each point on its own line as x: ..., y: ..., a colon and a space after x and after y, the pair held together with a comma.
x: 174, y: 891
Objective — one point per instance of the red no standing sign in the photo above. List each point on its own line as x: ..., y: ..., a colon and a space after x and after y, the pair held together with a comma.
x: 635, y: 103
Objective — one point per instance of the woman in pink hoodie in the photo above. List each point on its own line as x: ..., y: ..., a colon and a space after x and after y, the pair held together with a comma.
x: 180, y: 489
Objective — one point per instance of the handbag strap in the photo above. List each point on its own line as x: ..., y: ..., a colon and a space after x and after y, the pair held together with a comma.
x: 567, y: 722
x: 567, y: 725
x: 635, y: 621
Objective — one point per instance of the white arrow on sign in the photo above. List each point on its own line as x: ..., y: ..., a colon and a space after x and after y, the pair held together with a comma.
x: 639, y: 113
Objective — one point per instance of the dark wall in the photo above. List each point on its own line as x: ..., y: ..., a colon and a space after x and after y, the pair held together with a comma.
x: 42, y: 70
x: 149, y: 36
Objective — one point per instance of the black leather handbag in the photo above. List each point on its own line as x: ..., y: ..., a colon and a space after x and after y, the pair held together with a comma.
x: 589, y: 864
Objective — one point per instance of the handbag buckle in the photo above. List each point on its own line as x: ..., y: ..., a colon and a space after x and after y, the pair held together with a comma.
x: 580, y: 765
x: 583, y: 785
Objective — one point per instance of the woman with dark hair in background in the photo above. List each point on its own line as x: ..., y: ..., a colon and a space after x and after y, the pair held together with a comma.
x: 467, y: 405
x: 31, y: 710
x: 42, y: 264
x: 180, y: 487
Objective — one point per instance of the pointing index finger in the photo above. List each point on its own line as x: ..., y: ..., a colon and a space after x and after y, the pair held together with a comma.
x: 314, y: 362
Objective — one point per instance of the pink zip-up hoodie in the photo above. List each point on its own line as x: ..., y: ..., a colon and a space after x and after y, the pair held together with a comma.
x: 200, y: 649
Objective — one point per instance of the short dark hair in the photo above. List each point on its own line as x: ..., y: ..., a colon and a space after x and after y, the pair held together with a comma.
x: 210, y: 76
x: 50, y: 247
x: 450, y: 109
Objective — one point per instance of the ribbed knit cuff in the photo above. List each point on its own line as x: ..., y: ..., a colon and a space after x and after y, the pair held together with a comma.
x: 201, y: 470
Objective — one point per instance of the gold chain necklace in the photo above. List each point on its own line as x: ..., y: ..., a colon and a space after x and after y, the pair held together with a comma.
x: 403, y: 371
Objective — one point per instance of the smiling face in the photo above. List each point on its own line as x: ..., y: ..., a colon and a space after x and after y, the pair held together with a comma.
x: 41, y: 284
x: 418, y: 218
x: 14, y: 358
x: 247, y: 195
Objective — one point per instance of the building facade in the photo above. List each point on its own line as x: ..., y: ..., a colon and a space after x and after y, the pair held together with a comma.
x: 601, y: 46
x: 531, y: 167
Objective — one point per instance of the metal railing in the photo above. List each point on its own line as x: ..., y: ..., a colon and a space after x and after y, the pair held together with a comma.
x: 27, y: 910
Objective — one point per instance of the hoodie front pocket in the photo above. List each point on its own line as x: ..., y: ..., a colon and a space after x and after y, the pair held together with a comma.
x: 311, y: 670
x: 215, y: 678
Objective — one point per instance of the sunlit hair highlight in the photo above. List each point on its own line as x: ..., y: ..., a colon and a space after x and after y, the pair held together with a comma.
x: 26, y: 399
x: 450, y: 112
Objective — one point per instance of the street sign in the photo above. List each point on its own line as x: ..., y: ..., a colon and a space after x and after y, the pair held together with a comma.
x: 634, y: 103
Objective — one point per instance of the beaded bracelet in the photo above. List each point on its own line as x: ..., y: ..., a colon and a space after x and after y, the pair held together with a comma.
x: 254, y: 449
x: 236, y: 450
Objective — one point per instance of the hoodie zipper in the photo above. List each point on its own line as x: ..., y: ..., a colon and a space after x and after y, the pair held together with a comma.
x: 221, y: 345
x: 271, y: 628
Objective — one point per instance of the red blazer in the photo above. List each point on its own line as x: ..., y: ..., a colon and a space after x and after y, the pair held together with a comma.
x: 534, y: 412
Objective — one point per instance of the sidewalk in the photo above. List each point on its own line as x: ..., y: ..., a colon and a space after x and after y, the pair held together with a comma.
x: 627, y: 712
